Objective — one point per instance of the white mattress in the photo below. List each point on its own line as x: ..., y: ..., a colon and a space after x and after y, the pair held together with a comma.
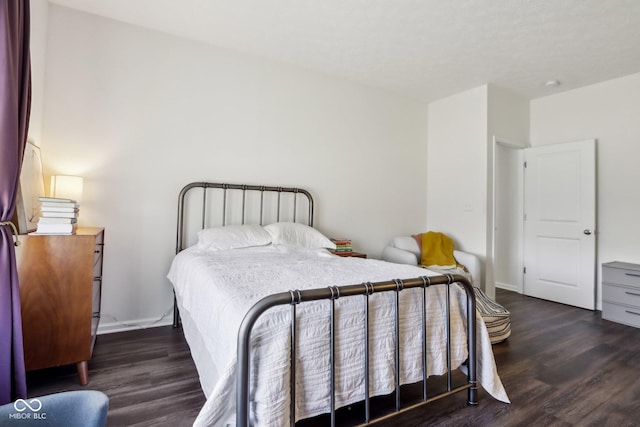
x: 215, y: 290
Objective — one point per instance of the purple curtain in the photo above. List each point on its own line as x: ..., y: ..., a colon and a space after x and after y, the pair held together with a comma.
x: 15, y: 100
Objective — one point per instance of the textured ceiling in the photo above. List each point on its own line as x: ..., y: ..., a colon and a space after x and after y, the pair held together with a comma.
x: 427, y: 49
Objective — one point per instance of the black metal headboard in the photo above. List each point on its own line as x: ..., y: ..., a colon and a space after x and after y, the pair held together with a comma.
x: 208, y: 204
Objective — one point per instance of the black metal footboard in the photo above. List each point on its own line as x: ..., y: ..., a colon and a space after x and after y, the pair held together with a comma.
x: 332, y: 293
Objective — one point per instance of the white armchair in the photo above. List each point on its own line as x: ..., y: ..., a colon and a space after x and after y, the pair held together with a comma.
x: 405, y: 250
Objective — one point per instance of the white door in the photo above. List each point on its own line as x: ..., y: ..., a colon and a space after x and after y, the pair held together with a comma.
x: 560, y: 219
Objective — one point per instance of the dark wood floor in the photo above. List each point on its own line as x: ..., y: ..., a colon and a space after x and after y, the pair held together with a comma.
x: 562, y: 366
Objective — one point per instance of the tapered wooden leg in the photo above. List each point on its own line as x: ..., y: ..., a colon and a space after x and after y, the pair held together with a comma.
x: 83, y: 372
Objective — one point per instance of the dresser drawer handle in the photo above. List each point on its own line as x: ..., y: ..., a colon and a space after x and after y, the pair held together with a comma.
x: 632, y: 274
x: 632, y: 293
x: 632, y: 312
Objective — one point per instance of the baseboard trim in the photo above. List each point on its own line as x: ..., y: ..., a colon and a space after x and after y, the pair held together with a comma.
x: 132, y: 325
x: 508, y: 287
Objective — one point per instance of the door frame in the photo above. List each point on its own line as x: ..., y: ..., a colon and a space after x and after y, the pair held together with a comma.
x: 519, y: 245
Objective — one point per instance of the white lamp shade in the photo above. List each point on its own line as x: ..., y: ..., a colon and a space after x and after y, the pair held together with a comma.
x: 66, y: 187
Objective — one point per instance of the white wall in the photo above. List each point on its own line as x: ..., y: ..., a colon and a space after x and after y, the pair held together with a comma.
x: 139, y: 114
x: 38, y: 36
x: 457, y: 169
x: 461, y: 135
x: 508, y: 122
x: 508, y: 116
x: 609, y: 112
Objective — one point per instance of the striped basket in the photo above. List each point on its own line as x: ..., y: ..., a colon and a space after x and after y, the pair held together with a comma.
x: 496, y: 317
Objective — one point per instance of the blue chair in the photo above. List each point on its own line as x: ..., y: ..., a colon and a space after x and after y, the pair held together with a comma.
x: 83, y: 408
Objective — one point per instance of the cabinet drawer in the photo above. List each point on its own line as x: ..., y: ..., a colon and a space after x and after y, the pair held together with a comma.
x: 621, y: 314
x: 95, y: 304
x: 96, y: 295
x: 97, y: 254
x: 97, y: 269
x: 621, y: 295
x: 99, y: 246
x: 621, y: 276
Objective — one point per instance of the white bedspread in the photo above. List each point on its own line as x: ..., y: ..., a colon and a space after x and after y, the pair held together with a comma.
x: 216, y: 289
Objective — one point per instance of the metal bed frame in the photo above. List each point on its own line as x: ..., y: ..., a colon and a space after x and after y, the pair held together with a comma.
x: 226, y: 190
x: 364, y: 290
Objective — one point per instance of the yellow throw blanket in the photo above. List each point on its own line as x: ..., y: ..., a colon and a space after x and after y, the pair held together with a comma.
x: 436, y: 250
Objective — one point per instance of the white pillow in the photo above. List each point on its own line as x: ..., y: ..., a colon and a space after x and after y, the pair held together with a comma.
x: 232, y: 237
x: 291, y: 233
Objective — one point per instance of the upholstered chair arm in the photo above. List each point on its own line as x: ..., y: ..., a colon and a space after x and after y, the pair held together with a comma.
x: 399, y: 256
x: 472, y: 262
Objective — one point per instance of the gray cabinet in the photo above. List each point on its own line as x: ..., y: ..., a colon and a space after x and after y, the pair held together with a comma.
x: 621, y: 293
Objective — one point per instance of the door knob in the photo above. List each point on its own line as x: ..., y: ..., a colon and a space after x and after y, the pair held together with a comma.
x: 587, y: 232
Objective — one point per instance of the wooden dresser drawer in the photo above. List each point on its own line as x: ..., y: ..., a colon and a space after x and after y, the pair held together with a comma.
x: 621, y: 314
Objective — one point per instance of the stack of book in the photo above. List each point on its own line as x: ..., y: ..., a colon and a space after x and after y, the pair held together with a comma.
x: 57, y: 216
x: 342, y: 245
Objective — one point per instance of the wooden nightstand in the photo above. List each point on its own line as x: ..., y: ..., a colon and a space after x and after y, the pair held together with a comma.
x: 60, y: 291
x: 350, y: 254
